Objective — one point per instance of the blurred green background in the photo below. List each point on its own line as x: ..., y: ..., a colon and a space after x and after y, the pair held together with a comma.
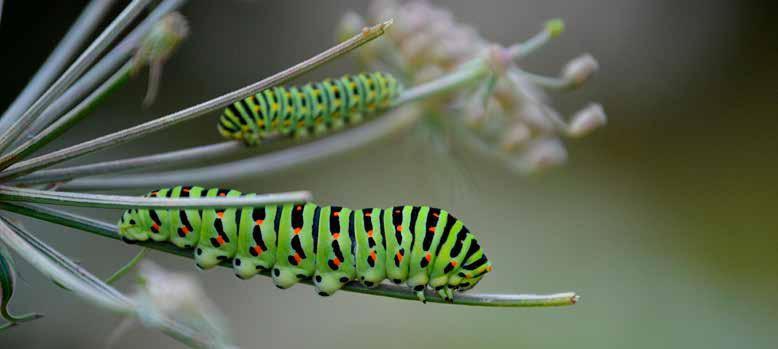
x: 664, y: 221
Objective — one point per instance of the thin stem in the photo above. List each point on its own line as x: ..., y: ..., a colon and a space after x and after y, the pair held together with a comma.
x: 74, y: 278
x: 97, y: 74
x: 189, y: 113
x: 253, y: 167
x: 71, y: 118
x: 552, y: 29
x: 127, y: 267
x: 72, y: 73
x: 126, y: 202
x: 175, y: 158
x: 57, y: 269
x: 489, y: 300
x: 475, y: 71
x: 90, y: 17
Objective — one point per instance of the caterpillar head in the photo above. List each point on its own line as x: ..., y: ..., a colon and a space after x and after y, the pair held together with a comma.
x: 470, y: 278
x: 131, y: 227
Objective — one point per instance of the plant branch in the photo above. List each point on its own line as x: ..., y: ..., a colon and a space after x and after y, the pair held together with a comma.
x: 253, y: 167
x: 489, y: 300
x: 189, y: 113
x: 107, y: 65
x: 79, y: 281
x: 72, y: 73
x: 173, y: 158
x: 90, y: 17
x: 71, y: 118
x: 126, y: 202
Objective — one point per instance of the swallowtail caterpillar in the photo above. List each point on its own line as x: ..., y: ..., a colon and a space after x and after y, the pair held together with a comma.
x: 418, y: 245
x: 313, y: 109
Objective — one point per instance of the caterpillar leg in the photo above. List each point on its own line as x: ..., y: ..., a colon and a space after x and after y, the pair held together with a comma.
x: 286, y: 276
x: 420, y: 296
x: 446, y: 293
x: 207, y: 258
x: 245, y: 268
x: 327, y: 284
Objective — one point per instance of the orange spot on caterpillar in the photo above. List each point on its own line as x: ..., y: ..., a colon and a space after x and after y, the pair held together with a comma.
x: 428, y: 257
x: 297, y: 258
x: 431, y: 229
x: 396, y: 211
x: 370, y: 233
x: 185, y: 229
x: 454, y: 263
x: 336, y: 261
x: 220, y: 214
x: 489, y: 268
x: 186, y: 190
x: 220, y: 240
x: 222, y: 194
x: 368, y: 214
x: 399, y: 228
x: 399, y: 256
x: 259, y: 221
x: 373, y: 256
x: 297, y: 231
x: 336, y: 214
x: 436, y: 214
x: 155, y: 226
x: 335, y: 236
x: 298, y: 208
x: 258, y: 250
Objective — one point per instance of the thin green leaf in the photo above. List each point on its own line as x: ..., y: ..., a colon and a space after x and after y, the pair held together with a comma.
x: 127, y: 267
x: 7, y: 286
x: 126, y: 202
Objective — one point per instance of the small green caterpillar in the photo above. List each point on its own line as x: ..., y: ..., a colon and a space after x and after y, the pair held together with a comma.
x: 418, y: 245
x: 313, y: 109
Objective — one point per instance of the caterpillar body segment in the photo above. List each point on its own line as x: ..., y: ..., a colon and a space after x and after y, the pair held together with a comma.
x: 310, y: 110
x: 416, y: 245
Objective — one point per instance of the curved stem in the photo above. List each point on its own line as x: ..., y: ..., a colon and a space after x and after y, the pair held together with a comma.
x: 127, y: 267
x: 72, y: 73
x: 189, y: 113
x: 126, y: 202
x: 80, y: 31
x: 394, y: 291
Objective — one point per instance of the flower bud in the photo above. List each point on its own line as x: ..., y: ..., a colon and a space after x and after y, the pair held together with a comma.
x: 577, y: 71
x: 544, y: 154
x: 587, y: 120
x: 515, y: 136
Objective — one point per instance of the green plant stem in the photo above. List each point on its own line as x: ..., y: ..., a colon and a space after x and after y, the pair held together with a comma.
x: 86, y: 23
x: 72, y: 73
x: 161, y: 123
x: 394, y: 291
x: 127, y: 267
x: 127, y: 202
x: 68, y: 120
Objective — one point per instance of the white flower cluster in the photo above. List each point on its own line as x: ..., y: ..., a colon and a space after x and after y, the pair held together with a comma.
x: 509, y: 115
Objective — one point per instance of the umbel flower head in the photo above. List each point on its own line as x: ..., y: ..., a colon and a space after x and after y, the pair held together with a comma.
x: 509, y: 115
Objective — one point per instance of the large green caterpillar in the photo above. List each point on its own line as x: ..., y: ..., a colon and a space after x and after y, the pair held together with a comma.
x: 313, y: 109
x: 418, y: 245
